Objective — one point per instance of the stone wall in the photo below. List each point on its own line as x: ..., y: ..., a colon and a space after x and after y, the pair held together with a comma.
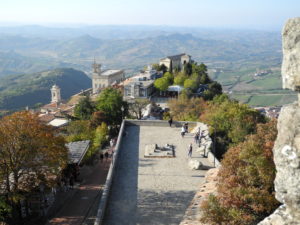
x: 108, y: 182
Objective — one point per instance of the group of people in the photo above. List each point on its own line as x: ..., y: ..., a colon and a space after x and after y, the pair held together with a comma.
x: 109, y: 153
x: 198, y: 136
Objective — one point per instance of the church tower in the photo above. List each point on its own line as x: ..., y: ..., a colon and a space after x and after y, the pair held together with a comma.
x: 55, y: 94
x: 95, y: 77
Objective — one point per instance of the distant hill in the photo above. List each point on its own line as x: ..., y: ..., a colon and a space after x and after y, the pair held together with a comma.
x: 215, y: 49
x: 18, y: 91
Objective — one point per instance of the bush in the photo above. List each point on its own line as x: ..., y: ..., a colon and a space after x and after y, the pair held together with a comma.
x: 245, y: 193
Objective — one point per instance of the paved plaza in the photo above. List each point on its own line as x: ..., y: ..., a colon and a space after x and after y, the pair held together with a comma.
x: 153, y: 190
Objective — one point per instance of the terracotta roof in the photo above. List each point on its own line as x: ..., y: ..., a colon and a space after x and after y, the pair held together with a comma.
x: 46, y: 117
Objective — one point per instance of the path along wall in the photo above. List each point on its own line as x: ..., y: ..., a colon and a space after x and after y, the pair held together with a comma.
x: 107, y: 187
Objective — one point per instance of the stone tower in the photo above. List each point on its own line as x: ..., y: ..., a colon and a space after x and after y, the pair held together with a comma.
x: 55, y: 94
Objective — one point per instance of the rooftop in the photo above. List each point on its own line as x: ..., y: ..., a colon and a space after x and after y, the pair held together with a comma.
x: 144, y: 83
x: 58, y: 122
x: 77, y: 150
x: 174, y: 57
x: 110, y: 72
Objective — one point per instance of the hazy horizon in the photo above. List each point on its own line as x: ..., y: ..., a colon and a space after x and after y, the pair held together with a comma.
x: 216, y: 14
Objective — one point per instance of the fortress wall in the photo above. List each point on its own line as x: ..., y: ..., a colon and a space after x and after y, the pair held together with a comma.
x: 107, y: 186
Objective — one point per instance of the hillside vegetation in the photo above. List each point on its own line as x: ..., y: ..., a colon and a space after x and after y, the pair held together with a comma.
x: 17, y: 91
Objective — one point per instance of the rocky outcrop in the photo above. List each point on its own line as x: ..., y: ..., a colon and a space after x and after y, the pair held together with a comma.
x: 291, y: 54
x: 287, y: 146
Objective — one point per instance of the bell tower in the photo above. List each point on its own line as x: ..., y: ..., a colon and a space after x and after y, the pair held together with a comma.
x: 55, y: 94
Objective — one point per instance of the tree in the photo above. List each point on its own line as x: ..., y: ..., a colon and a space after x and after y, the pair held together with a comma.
x: 79, y: 130
x: 97, y: 119
x: 110, y: 101
x: 190, y: 84
x: 101, y: 134
x: 231, y: 120
x: 245, y: 193
x: 214, y: 89
x: 201, y: 70
x: 31, y: 153
x: 188, y: 69
x: 163, y: 68
x: 180, y: 78
x: 187, y: 109
x: 137, y: 107
x: 162, y: 83
x: 169, y: 76
x: 84, y: 109
x: 156, y: 66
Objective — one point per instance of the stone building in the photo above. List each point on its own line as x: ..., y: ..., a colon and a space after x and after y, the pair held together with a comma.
x: 175, y: 61
x: 103, y: 79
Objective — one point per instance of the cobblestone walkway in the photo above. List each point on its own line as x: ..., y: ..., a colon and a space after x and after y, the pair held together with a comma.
x: 153, y: 190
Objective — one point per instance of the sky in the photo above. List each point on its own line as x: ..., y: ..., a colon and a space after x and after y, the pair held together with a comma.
x: 254, y: 14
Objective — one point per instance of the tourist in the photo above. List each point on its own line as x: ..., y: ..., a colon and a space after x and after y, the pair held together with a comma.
x: 170, y: 121
x: 101, y: 157
x: 106, y: 155
x: 196, y: 137
x: 190, y: 150
x: 201, y: 136
x: 186, y: 127
x: 111, y: 143
x: 182, y: 131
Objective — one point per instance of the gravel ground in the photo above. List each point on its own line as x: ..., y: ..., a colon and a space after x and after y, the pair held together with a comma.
x: 153, y: 190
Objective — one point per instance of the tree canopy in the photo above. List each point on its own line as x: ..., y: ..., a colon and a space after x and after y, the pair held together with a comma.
x: 137, y: 107
x: 231, y: 120
x: 245, y: 193
x: 162, y: 83
x: 84, y: 109
x: 190, y: 84
x: 110, y: 102
x: 31, y: 153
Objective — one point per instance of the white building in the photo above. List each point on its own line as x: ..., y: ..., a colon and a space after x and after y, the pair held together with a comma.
x: 103, y: 79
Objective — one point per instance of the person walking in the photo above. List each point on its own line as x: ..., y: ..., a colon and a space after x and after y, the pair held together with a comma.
x: 196, y: 137
x: 106, y: 155
x: 101, y: 157
x: 170, y: 121
x: 111, y: 143
x: 182, y: 131
x: 190, y: 150
x: 186, y: 127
